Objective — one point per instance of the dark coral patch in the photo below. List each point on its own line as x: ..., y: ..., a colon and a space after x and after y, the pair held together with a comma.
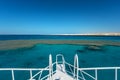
x: 82, y: 61
x: 41, y: 58
x: 80, y: 51
x: 27, y: 64
x: 94, y: 48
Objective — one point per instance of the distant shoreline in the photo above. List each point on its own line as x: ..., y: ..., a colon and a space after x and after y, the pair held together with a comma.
x: 86, y: 34
x: 16, y: 44
x: 53, y: 35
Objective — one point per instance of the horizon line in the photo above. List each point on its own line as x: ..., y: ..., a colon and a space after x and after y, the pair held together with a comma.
x: 109, y: 33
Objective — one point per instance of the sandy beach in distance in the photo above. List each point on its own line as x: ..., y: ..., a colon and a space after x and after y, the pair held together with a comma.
x: 16, y: 44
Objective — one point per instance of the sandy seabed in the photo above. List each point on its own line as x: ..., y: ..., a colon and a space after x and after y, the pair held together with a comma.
x: 16, y: 44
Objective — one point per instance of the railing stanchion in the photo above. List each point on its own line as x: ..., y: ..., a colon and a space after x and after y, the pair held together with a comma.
x: 76, y: 66
x: 50, y: 67
x: 30, y: 74
x: 96, y: 74
x: 13, y: 78
x: 116, y: 74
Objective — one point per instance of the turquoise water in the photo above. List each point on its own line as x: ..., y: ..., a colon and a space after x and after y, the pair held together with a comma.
x: 37, y: 56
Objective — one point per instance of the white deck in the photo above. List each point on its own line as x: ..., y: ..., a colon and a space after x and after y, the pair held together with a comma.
x: 61, y: 74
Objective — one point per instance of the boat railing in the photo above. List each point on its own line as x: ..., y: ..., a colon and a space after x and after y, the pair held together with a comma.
x: 74, y: 70
x: 40, y: 70
x: 96, y: 69
x: 93, y: 73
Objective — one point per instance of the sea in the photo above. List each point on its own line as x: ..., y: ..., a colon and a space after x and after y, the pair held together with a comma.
x: 37, y: 56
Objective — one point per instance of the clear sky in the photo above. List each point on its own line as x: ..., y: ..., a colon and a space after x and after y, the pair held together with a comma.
x: 59, y: 16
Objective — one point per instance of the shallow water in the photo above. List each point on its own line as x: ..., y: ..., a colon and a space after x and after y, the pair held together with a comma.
x: 37, y: 56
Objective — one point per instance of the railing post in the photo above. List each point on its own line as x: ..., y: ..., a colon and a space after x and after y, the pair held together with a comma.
x: 96, y: 76
x: 76, y: 66
x: 13, y: 78
x: 30, y: 74
x: 116, y: 74
x: 50, y: 67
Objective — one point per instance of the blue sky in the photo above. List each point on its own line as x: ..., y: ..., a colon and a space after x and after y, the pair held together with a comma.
x: 59, y: 16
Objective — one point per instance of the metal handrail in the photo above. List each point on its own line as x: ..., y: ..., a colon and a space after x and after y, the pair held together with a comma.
x: 100, y: 68
x: 82, y: 71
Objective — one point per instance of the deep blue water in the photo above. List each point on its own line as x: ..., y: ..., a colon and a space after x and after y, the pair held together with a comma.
x: 27, y: 37
x: 37, y: 56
